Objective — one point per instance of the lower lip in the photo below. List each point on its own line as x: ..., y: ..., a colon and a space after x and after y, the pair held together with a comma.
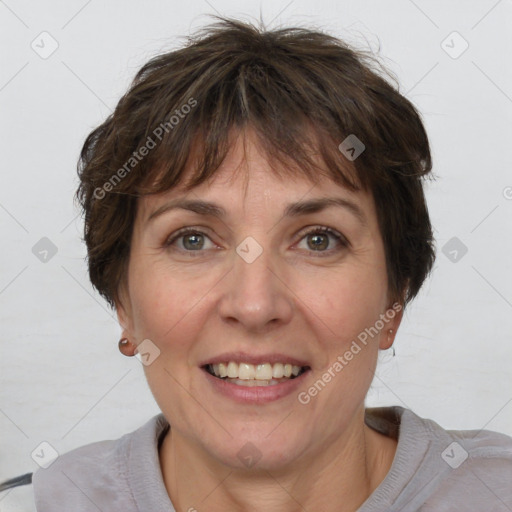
x: 255, y: 394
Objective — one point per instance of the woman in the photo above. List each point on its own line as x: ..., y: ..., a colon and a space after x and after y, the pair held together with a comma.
x: 254, y: 211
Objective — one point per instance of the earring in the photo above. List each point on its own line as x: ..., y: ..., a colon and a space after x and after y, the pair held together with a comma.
x: 126, y: 347
x: 390, y: 334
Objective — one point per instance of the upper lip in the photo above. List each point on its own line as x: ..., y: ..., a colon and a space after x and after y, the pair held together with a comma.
x: 244, y: 357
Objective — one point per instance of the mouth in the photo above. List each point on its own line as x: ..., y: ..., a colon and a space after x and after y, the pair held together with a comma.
x: 255, y: 375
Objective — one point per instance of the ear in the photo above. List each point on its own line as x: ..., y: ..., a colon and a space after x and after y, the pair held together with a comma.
x: 125, y: 317
x: 394, y: 314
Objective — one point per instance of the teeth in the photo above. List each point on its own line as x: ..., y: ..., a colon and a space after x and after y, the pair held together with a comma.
x: 251, y: 383
x: 232, y: 370
x: 263, y: 372
x: 278, y: 371
x: 248, y: 372
x: 223, y: 372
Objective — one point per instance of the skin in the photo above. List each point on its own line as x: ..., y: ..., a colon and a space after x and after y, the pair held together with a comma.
x: 292, y: 299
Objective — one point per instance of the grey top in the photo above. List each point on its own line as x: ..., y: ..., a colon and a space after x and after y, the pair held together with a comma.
x: 433, y: 470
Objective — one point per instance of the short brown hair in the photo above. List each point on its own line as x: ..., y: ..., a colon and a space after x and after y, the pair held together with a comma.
x: 300, y: 90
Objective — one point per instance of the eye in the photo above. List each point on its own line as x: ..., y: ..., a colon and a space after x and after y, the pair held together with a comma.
x: 190, y: 240
x: 318, y: 240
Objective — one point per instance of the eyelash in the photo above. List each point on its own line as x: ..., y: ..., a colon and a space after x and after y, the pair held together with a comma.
x: 324, y: 230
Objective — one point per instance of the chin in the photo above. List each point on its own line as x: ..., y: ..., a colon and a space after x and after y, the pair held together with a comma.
x: 258, y: 452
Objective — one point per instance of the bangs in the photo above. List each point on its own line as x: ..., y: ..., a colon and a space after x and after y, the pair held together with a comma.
x: 295, y: 142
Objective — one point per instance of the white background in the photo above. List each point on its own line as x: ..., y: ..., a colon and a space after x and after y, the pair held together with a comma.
x: 62, y: 378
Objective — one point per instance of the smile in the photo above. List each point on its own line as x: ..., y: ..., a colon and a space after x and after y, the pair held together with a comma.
x: 249, y: 375
x: 257, y: 384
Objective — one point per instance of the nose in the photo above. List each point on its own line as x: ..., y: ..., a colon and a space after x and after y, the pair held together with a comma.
x: 256, y: 294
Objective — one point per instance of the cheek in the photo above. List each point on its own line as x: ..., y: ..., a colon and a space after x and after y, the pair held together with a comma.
x: 347, y: 301
x: 170, y: 307
x: 160, y: 300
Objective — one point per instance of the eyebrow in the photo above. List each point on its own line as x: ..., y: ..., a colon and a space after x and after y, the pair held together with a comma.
x: 292, y: 210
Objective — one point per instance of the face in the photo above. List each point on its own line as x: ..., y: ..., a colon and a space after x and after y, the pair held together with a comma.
x: 250, y: 287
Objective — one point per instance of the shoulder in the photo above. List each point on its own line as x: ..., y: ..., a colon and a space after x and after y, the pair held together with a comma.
x: 480, y: 471
x: 459, y: 445
x: 97, y: 474
x: 465, y: 469
x: 464, y: 451
x: 86, y: 476
x: 440, y: 470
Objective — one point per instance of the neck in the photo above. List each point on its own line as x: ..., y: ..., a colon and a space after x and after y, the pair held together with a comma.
x: 337, y: 478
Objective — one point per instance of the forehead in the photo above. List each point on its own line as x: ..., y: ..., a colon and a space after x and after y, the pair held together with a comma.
x: 248, y: 179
